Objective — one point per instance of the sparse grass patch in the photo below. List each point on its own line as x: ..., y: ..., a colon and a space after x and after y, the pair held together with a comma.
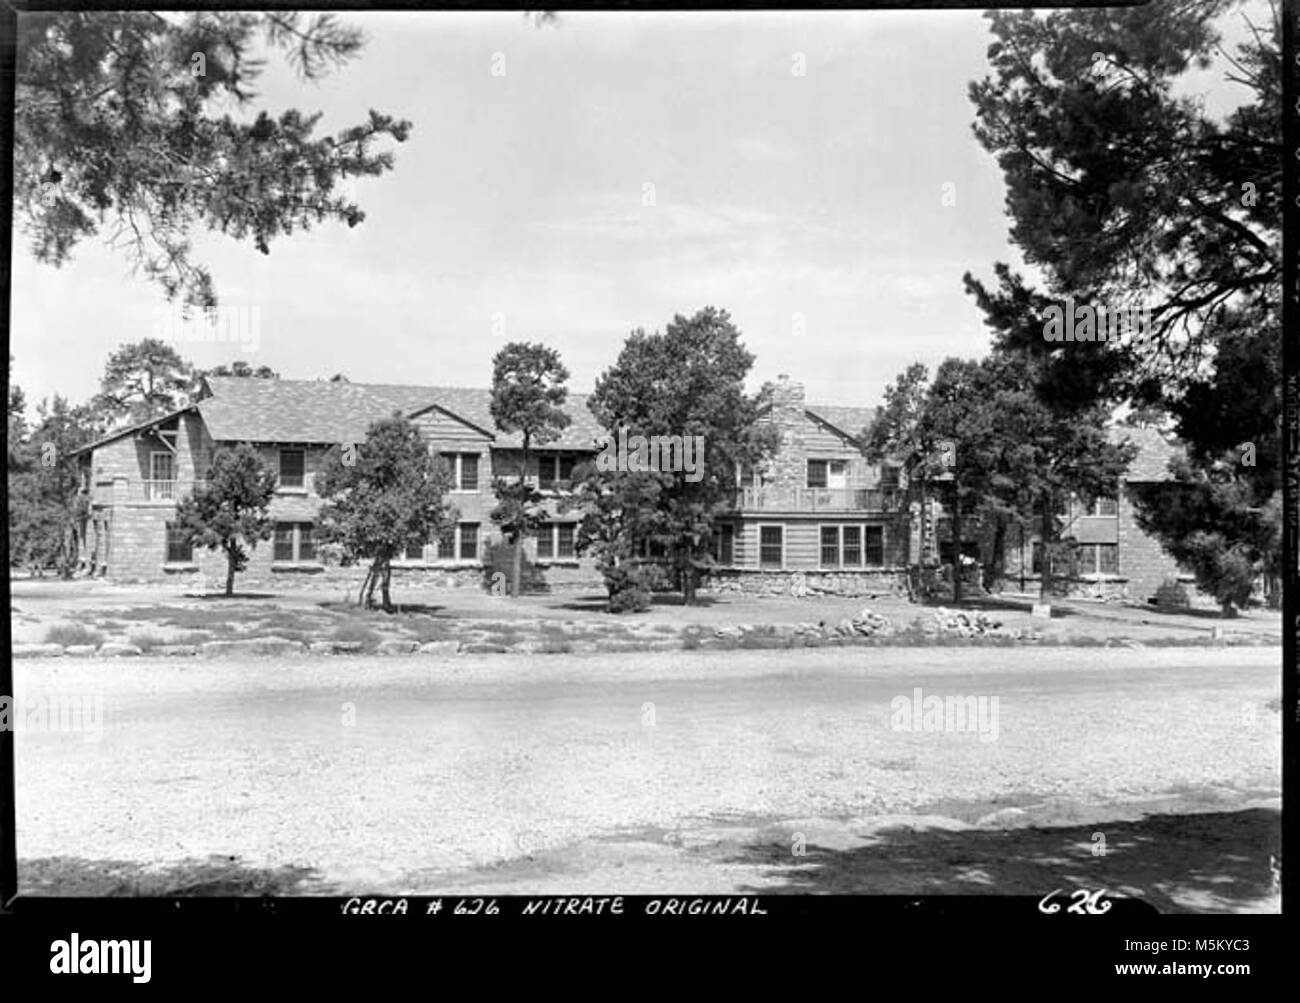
x: 146, y: 641
x: 68, y: 634
x: 427, y: 629
x: 356, y: 633
x: 505, y: 636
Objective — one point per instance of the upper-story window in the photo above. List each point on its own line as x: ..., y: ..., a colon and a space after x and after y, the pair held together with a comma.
x: 464, y: 470
x: 162, y: 466
x: 1104, y: 506
x: 827, y: 473
x: 553, y: 470
x: 293, y: 468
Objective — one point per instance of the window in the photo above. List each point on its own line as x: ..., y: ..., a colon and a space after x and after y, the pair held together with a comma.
x: 1105, y: 506
x: 464, y: 470
x: 467, y: 472
x: 830, y: 547
x: 874, y: 550
x: 555, y: 541
x: 293, y: 464
x: 724, y: 544
x: 179, y: 549
x: 771, y: 546
x: 295, y: 542
x: 817, y: 473
x: 1036, y: 563
x: 1098, y: 559
x: 306, y: 542
x: 162, y: 477
x: 283, y: 542
x: 554, y: 472
x: 468, y: 541
x: 650, y: 549
x: 162, y: 467
x: 852, y: 546
x: 459, y: 542
x: 564, y: 541
x: 414, y: 552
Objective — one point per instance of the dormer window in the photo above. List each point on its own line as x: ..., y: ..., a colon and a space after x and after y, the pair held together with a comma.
x: 293, y: 466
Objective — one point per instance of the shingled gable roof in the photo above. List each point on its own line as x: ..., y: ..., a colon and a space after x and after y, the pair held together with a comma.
x: 248, y: 409
x: 850, y: 421
x: 140, y: 426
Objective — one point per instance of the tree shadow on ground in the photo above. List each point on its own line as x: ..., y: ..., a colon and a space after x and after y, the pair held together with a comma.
x: 1198, y: 613
x: 1184, y: 863
x: 216, y: 877
x: 222, y: 597
x: 995, y: 603
x: 399, y: 609
x: 659, y: 600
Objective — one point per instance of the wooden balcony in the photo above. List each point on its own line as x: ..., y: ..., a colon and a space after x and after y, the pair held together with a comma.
x: 145, y: 492
x: 781, y: 499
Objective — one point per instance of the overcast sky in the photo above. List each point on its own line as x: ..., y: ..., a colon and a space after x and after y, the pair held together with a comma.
x: 809, y: 206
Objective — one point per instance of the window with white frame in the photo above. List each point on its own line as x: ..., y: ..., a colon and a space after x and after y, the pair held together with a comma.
x: 828, y: 473
x: 554, y: 471
x: 852, y: 546
x: 464, y: 470
x: 458, y: 542
x: 294, y: 543
x: 555, y: 541
x: 467, y: 542
x: 1098, y: 558
x: 179, y: 548
x: 293, y: 468
x: 771, y: 546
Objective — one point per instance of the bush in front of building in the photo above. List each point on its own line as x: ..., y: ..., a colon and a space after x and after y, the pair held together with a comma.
x: 1172, y: 595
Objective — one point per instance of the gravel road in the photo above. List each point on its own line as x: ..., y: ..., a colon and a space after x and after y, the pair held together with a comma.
x: 415, y: 773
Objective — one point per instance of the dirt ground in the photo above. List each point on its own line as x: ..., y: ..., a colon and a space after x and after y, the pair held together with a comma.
x: 39, y: 604
x: 668, y: 772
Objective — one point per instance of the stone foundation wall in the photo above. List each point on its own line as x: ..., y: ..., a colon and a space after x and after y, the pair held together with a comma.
x: 799, y: 584
x: 208, y: 574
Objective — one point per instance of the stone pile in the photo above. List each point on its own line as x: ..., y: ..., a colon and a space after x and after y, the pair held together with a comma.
x: 866, y: 623
x: 961, y: 624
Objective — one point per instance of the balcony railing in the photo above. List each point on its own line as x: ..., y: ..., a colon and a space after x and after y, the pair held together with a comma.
x: 782, y: 499
x: 159, y: 492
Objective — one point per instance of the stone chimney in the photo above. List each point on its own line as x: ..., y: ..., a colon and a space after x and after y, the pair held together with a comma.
x: 787, y: 395
x: 788, y: 466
